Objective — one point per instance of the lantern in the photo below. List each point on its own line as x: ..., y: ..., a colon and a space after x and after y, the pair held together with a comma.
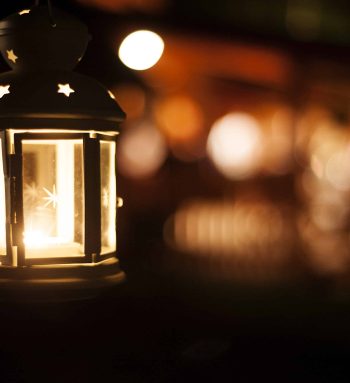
x: 58, y: 131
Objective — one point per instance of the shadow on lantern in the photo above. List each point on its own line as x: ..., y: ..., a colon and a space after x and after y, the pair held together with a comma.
x: 58, y: 139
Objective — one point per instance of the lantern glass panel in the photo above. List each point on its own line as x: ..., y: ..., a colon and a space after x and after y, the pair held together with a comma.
x: 2, y: 208
x: 53, y: 196
x: 108, y: 197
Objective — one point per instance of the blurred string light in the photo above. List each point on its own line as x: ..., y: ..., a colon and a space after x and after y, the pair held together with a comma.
x: 242, y: 233
x: 141, y: 151
x: 141, y: 50
x: 235, y: 145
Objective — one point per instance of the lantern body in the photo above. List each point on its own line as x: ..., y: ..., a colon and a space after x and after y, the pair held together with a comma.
x: 58, y: 130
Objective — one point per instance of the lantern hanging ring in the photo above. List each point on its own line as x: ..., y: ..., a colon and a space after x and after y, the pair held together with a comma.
x: 49, y: 7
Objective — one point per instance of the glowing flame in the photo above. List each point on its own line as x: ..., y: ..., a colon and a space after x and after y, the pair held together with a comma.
x: 38, y: 239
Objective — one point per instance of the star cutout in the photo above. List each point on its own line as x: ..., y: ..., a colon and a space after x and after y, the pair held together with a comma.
x: 52, y: 197
x: 4, y: 89
x: 11, y: 56
x: 65, y: 89
x: 24, y: 12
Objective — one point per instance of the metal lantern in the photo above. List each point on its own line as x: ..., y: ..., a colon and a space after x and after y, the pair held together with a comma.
x: 58, y: 131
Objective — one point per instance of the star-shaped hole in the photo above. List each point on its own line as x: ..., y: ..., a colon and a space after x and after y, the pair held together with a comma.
x: 11, y: 56
x: 65, y: 89
x: 4, y: 89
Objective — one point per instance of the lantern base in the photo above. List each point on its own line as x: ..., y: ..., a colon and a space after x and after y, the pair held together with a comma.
x: 58, y: 282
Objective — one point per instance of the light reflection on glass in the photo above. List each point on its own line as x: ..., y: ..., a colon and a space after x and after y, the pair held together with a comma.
x: 108, y: 197
x: 53, y: 198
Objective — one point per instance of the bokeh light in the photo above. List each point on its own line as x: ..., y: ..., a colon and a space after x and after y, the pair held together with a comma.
x: 141, y: 151
x: 253, y: 236
x: 132, y: 99
x: 235, y: 145
x: 141, y: 50
x: 278, y: 150
x: 324, y: 143
x: 181, y: 119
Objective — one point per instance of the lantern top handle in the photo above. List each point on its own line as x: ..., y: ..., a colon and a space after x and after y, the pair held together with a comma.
x: 49, y: 7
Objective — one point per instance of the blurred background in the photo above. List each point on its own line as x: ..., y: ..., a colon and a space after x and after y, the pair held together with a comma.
x: 234, y: 168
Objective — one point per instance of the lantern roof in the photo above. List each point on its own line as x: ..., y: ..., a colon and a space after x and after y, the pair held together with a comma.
x: 42, y: 45
x: 56, y: 95
x: 42, y: 38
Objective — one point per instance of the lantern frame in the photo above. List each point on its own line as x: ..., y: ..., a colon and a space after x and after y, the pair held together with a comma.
x: 33, y: 109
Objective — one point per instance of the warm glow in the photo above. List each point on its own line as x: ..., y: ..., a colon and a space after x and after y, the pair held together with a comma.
x: 108, y: 196
x: 142, y: 151
x: 234, y: 145
x: 141, y: 50
x: 52, y: 194
x: 38, y: 239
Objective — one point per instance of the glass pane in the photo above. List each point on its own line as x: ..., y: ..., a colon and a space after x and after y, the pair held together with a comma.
x: 53, y: 198
x: 2, y: 207
x: 108, y: 197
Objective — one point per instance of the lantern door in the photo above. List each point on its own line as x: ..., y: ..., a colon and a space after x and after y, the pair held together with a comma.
x: 3, y: 208
x: 65, y: 197
x: 50, y: 198
x: 108, y: 194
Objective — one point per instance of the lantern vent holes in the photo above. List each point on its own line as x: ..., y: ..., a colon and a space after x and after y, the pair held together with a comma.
x: 65, y: 89
x: 111, y: 95
x: 12, y: 56
x: 24, y: 12
x: 4, y: 89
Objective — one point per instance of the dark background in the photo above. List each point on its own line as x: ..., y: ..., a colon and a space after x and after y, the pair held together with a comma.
x: 180, y: 316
